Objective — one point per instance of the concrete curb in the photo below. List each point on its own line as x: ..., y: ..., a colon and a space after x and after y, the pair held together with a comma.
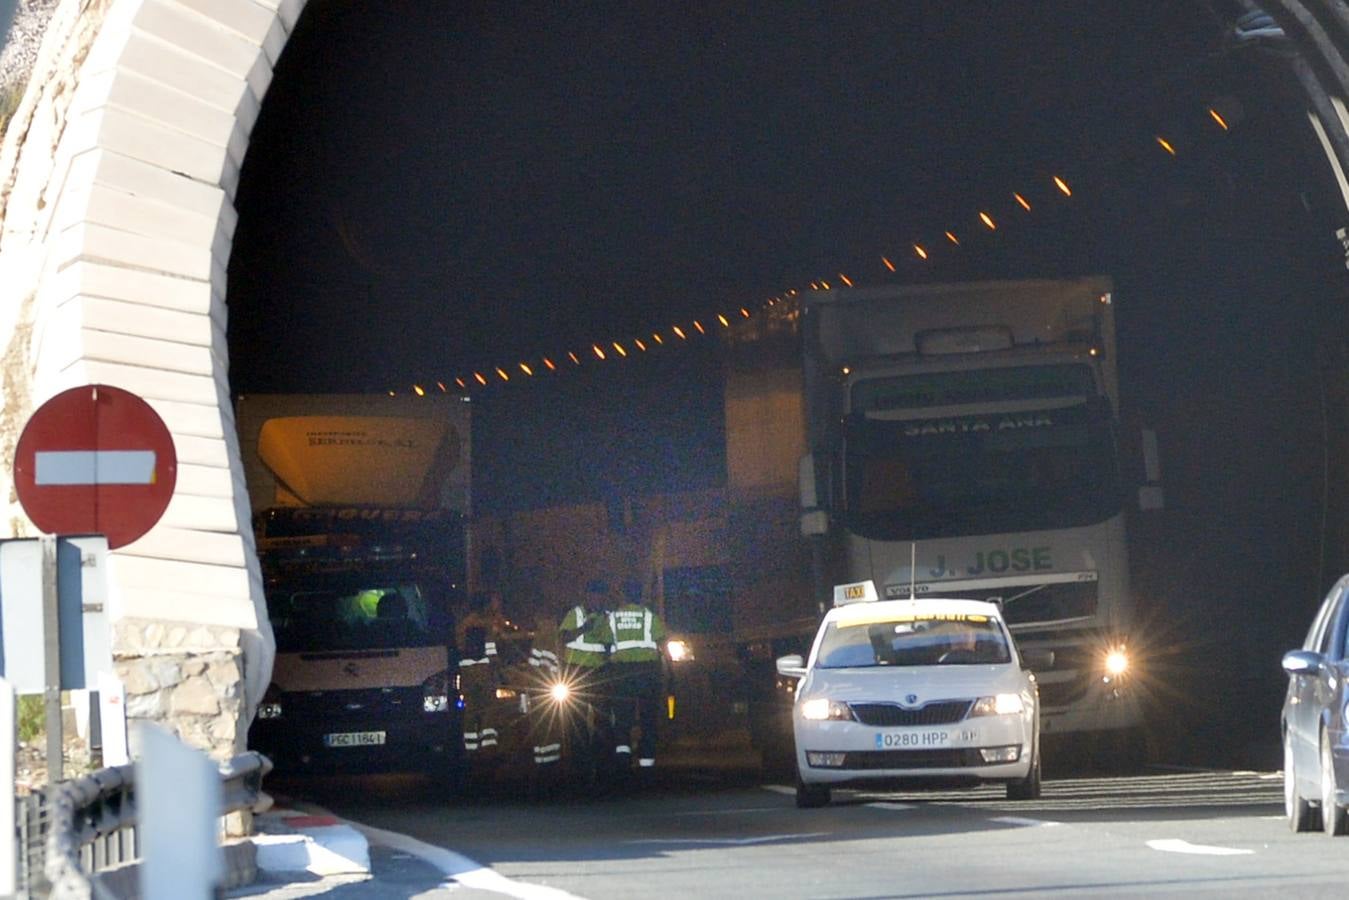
x: 290, y: 840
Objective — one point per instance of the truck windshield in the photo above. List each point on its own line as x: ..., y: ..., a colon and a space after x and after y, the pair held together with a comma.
x: 914, y: 641
x: 981, y: 473
x: 374, y: 616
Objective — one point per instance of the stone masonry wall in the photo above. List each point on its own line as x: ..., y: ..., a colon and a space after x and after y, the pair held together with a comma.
x: 187, y: 677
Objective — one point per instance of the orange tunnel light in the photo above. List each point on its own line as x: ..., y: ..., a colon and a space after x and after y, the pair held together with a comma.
x: 1025, y: 204
x: 1063, y: 186
x: 889, y: 265
x: 1166, y: 145
x: 922, y: 253
x: 988, y: 220
x: 679, y: 331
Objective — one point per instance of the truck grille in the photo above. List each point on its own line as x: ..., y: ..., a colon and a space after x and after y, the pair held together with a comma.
x: 942, y: 712
x: 1064, y: 693
x: 353, y: 705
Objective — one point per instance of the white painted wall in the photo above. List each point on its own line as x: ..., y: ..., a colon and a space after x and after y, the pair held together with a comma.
x: 118, y: 178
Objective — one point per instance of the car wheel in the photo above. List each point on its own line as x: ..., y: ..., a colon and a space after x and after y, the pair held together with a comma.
x: 1301, y: 817
x: 1027, y: 788
x: 810, y: 796
x: 1334, y: 819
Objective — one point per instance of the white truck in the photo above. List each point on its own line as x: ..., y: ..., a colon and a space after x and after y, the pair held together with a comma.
x: 962, y: 442
x: 360, y: 508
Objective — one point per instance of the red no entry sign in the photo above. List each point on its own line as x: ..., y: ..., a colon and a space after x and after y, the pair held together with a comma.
x: 95, y: 460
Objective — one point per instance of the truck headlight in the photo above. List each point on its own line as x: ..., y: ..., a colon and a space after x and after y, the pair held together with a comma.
x: 1116, y: 662
x: 822, y: 708
x: 999, y: 705
x: 436, y: 692
x: 270, y: 707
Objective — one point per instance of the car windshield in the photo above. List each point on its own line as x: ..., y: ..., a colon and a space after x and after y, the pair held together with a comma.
x: 914, y: 640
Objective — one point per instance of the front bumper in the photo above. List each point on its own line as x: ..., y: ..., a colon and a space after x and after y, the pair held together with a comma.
x: 871, y: 755
x: 431, y: 743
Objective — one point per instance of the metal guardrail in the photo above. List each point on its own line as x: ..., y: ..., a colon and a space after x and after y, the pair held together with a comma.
x: 76, y: 833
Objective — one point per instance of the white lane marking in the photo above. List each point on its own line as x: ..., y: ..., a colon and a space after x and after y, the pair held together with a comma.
x: 459, y: 868
x: 884, y: 804
x: 1019, y: 820
x: 778, y: 788
x: 728, y: 812
x: 1176, y: 845
x: 763, y: 839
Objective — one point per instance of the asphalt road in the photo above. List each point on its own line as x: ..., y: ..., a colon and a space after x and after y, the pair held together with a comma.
x: 1162, y: 833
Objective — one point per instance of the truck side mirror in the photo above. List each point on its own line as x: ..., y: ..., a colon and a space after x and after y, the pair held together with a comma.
x: 814, y: 518
x: 1150, y: 495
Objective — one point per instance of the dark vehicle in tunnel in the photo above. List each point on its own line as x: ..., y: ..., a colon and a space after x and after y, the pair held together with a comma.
x: 1315, y: 753
x: 365, y: 677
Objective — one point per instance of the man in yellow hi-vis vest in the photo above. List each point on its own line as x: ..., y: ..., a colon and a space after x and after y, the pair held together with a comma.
x: 638, y: 634
x: 584, y: 631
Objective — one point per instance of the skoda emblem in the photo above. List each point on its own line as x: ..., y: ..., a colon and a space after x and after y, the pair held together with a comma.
x: 350, y: 669
x: 911, y: 699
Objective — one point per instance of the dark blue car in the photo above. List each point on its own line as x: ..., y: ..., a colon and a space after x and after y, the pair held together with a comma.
x: 1315, y: 752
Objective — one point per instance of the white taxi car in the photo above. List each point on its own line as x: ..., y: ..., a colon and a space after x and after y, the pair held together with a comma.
x: 898, y: 691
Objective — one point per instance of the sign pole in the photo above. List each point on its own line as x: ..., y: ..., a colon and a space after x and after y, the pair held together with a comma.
x: 51, y: 639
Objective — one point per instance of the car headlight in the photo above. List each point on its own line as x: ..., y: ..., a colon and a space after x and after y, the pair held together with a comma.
x: 1116, y: 662
x: 678, y: 651
x: 821, y: 708
x: 560, y: 691
x: 999, y: 705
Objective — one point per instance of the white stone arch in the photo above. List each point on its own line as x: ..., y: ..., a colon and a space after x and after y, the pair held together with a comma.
x: 119, y: 176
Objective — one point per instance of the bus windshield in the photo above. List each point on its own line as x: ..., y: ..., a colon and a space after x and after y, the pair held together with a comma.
x: 352, y: 616
x: 981, y: 473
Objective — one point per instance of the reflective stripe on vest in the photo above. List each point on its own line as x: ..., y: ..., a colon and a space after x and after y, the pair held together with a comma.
x: 579, y: 643
x: 642, y: 643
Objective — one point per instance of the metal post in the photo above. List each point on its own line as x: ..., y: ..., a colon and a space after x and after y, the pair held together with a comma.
x: 51, y: 639
x: 8, y: 833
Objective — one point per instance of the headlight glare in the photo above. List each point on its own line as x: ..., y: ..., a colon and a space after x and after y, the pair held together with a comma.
x: 678, y: 651
x: 560, y: 691
x: 999, y: 705
x: 818, y: 709
x: 1116, y: 662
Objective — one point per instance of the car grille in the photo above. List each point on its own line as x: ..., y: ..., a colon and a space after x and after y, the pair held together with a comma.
x: 912, y: 759
x: 942, y: 712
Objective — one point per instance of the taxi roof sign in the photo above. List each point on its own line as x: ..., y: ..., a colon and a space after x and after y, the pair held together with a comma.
x: 857, y: 592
